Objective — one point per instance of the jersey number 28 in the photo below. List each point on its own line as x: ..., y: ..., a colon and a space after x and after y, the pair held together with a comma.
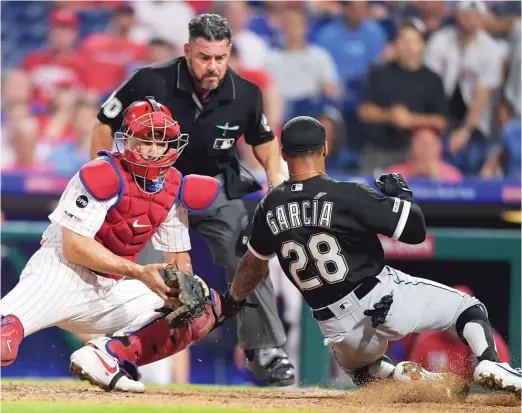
x: 325, y: 251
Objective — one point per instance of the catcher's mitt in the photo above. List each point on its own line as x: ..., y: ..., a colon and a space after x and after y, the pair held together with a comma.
x: 193, y: 295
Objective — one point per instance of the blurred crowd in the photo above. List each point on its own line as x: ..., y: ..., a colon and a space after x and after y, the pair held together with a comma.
x: 427, y: 88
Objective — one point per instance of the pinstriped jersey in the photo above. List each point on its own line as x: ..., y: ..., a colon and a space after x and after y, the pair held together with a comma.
x: 324, y: 233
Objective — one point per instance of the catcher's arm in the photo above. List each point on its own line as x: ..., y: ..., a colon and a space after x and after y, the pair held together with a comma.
x: 93, y: 255
x: 180, y: 260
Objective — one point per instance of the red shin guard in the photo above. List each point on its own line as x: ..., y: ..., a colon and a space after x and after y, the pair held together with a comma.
x: 156, y: 341
x: 12, y: 334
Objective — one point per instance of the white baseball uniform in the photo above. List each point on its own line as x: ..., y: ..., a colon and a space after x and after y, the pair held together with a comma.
x: 55, y: 292
x: 478, y: 65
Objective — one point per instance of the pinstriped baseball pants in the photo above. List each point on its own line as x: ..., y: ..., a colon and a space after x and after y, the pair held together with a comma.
x: 54, y: 292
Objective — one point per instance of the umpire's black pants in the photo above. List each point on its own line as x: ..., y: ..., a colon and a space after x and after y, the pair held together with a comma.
x: 222, y: 227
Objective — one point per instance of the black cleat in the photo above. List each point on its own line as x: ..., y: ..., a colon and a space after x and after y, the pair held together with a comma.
x: 271, y: 365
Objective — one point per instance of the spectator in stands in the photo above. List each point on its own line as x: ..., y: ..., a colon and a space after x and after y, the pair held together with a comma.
x: 398, y: 98
x: 435, y: 15
x: 444, y: 351
x: 268, y: 23
x: 164, y: 19
x: 23, y: 136
x: 505, y: 157
x: 158, y: 50
x: 68, y: 157
x: 16, y: 87
x: 272, y: 99
x: 88, y: 4
x: 502, y: 16
x: 469, y: 61
x: 56, y: 125
x: 511, y: 108
x: 109, y: 54
x: 304, y: 73
x: 322, y: 13
x: 252, y: 48
x: 12, y: 114
x: 354, y: 42
x: 426, y: 159
x: 59, y: 62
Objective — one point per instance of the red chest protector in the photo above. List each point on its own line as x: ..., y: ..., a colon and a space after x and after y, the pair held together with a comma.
x: 136, y: 215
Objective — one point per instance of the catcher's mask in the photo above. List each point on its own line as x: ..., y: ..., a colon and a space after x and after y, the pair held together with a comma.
x: 150, y: 142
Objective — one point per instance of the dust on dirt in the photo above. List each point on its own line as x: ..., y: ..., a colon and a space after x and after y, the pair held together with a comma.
x: 381, y: 398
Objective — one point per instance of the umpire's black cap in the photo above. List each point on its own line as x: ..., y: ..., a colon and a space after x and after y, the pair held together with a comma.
x: 302, y: 134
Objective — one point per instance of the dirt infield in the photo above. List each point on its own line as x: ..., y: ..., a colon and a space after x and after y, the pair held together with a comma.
x: 381, y: 399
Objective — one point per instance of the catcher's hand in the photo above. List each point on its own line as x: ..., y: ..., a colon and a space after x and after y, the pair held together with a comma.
x: 193, y: 295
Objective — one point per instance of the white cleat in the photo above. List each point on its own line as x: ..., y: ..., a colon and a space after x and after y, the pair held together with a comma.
x: 409, y: 371
x: 454, y: 387
x: 498, y: 376
x: 94, y: 364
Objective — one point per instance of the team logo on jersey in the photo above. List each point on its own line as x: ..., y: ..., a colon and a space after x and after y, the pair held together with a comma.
x: 296, y: 187
x: 82, y: 201
x: 223, y: 144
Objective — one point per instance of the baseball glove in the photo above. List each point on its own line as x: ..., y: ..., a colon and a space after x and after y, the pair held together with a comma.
x: 193, y: 295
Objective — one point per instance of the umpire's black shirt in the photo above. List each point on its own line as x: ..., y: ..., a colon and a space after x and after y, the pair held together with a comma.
x: 234, y: 108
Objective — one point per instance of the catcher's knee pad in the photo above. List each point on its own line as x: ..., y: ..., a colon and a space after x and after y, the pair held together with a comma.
x: 12, y: 334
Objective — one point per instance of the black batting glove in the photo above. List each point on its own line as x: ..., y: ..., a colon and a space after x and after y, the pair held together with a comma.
x: 229, y: 306
x: 380, y: 311
x: 394, y: 185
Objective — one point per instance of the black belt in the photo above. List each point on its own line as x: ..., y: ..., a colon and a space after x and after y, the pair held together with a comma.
x: 360, y: 291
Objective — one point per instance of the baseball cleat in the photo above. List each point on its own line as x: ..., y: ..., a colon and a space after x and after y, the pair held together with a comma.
x: 454, y: 387
x: 271, y: 365
x: 94, y: 364
x: 498, y: 376
x: 410, y: 371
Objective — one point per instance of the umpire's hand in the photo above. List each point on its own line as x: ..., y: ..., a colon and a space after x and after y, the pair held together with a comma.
x: 394, y: 185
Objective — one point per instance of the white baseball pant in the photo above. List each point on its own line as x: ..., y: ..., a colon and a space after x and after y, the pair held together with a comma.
x: 55, y: 292
x: 418, y: 305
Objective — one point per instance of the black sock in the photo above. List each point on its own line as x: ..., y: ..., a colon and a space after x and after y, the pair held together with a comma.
x: 249, y: 354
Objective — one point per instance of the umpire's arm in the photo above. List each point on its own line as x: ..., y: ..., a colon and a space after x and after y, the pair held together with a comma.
x: 264, y: 144
x: 397, y: 218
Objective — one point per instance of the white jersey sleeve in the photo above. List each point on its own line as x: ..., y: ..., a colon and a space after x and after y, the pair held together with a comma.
x: 79, y: 211
x: 173, y: 234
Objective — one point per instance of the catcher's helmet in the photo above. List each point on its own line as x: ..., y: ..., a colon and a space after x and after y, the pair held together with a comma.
x: 146, y: 122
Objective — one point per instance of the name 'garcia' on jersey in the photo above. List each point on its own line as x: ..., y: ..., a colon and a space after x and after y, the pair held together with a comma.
x: 298, y: 214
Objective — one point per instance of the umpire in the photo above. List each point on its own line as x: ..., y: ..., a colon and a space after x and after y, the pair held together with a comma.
x: 215, y: 106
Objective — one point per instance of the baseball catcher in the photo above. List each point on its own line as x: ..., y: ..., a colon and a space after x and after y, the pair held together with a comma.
x: 84, y: 277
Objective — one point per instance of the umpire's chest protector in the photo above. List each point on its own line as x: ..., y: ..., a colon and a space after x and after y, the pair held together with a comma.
x: 136, y: 215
